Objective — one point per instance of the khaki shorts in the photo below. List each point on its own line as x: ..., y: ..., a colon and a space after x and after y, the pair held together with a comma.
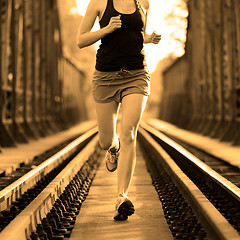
x: 114, y: 86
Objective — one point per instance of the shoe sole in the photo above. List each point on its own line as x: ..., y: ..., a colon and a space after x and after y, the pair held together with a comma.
x: 110, y: 170
x: 125, y: 209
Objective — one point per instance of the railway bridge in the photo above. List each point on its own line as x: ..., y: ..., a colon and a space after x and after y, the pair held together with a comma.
x: 53, y: 180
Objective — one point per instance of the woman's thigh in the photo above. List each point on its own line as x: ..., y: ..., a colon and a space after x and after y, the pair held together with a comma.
x: 107, y: 114
x: 133, y: 106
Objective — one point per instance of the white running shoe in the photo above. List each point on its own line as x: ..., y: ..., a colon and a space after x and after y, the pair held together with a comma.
x: 124, y: 208
x: 111, y: 159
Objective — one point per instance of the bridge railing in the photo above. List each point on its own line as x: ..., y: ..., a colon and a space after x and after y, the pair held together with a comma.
x: 40, y: 90
x: 206, y: 81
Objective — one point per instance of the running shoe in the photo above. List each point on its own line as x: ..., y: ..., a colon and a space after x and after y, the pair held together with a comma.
x: 111, y: 159
x: 124, y: 208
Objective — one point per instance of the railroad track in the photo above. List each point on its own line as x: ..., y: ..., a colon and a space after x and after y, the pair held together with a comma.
x: 222, y: 167
x: 44, y: 203
x: 47, y: 191
x: 214, y: 200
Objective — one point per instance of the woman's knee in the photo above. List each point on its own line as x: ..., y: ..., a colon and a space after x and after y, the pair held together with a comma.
x: 128, y: 134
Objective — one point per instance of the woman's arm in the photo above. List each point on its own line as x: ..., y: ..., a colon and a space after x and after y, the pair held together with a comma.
x: 154, y: 37
x: 85, y: 37
x: 147, y: 37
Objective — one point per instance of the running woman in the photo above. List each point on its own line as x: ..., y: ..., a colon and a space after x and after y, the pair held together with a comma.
x: 121, y: 79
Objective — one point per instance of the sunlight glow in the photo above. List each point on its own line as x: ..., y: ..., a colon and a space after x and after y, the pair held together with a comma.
x: 82, y: 6
x: 74, y: 10
x: 168, y: 18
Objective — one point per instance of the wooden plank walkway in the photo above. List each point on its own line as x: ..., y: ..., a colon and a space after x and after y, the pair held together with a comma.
x: 95, y: 220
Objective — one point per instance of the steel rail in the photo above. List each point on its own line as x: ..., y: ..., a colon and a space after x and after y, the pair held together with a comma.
x: 216, y: 226
x: 216, y: 177
x: 27, y: 220
x: 17, y: 188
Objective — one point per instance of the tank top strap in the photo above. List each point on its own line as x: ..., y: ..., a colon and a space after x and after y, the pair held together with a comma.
x: 110, y: 4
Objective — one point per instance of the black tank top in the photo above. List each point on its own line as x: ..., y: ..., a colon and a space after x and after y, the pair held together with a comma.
x: 123, y: 47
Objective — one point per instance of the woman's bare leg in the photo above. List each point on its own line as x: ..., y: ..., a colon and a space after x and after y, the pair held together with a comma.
x: 133, y: 106
x: 107, y: 114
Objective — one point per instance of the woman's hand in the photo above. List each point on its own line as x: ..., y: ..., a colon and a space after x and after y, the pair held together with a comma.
x: 114, y: 24
x: 155, y: 37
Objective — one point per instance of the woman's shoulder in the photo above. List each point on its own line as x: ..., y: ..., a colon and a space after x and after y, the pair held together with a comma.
x: 98, y: 5
x: 145, y: 4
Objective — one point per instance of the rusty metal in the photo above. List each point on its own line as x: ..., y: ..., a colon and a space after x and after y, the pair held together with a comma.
x: 73, y: 104
x: 211, y: 78
x: 6, y: 76
x: 36, y: 82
